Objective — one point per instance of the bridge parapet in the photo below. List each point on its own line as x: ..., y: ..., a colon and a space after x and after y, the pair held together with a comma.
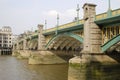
x: 68, y: 25
x: 104, y: 15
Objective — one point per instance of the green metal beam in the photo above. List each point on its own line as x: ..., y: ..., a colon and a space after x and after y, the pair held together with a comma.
x: 65, y: 34
x: 108, y: 20
x: 110, y: 43
x: 70, y: 29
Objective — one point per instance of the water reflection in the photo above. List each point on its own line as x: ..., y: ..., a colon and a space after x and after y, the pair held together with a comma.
x: 50, y: 72
x: 95, y: 71
x: 14, y: 69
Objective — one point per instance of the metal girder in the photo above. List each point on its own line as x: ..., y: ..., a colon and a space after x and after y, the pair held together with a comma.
x: 68, y: 34
x: 59, y: 43
x: 110, y: 43
x: 70, y: 45
x: 114, y: 47
x: 35, y: 45
x: 77, y: 44
x: 32, y: 43
x: 64, y: 44
x: 53, y: 43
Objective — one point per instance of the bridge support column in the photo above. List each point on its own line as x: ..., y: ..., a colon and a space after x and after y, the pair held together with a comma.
x: 92, y: 32
x: 41, y: 38
x: 24, y: 44
x: 92, y: 39
x: 15, y: 51
x: 92, y: 35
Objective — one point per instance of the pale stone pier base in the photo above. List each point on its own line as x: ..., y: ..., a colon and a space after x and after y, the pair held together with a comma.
x: 15, y: 53
x: 83, y: 68
x: 45, y: 57
x: 21, y: 54
x: 96, y: 58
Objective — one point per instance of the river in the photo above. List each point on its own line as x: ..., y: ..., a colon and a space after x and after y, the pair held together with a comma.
x: 12, y: 68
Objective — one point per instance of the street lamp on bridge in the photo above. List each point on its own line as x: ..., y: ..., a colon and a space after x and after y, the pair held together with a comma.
x: 45, y: 24
x: 109, y: 12
x: 78, y: 9
x: 57, y: 24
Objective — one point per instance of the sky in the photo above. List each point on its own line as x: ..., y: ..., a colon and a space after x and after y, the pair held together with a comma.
x: 23, y: 15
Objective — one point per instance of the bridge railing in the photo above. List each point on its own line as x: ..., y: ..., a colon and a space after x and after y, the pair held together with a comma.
x: 71, y: 24
x: 116, y: 12
x: 105, y: 15
x: 101, y: 16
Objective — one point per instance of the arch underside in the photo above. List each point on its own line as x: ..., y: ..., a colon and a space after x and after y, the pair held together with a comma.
x: 113, y: 44
x: 115, y: 47
x: 65, y: 42
x: 32, y: 44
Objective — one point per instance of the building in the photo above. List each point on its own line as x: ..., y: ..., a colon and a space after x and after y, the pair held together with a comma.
x: 5, y: 40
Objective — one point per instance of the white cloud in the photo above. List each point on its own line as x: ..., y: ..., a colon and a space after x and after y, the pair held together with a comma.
x: 51, y: 13
x: 70, y: 12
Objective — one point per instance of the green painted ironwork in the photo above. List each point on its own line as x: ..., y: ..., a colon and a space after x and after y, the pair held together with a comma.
x: 35, y: 36
x: 110, y: 43
x: 45, y: 24
x: 105, y: 15
x: 78, y: 9
x: 108, y: 20
x: 56, y: 32
x: 109, y: 13
x: 70, y: 29
x: 34, y: 40
x: 80, y: 39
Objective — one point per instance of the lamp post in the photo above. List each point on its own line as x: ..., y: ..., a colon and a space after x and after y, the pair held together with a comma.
x: 78, y: 9
x: 109, y: 13
x: 45, y: 25
x: 57, y: 24
x: 109, y: 5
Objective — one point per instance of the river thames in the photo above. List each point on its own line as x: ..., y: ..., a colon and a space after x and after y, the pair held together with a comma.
x: 12, y: 68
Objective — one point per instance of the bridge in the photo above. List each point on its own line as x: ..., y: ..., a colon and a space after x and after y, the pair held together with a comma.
x: 91, y: 38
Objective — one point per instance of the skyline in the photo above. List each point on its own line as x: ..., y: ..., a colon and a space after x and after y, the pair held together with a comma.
x: 22, y: 15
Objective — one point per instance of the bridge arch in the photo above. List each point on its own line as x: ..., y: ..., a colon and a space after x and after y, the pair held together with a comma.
x: 110, y: 43
x: 63, y: 35
x: 33, y: 44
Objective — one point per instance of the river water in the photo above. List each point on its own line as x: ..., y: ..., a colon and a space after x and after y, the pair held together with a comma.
x: 12, y: 68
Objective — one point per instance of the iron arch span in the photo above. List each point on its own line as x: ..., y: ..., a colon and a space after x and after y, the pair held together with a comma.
x: 110, y: 43
x: 66, y: 35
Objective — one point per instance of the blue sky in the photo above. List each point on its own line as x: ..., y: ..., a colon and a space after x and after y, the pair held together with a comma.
x: 23, y: 15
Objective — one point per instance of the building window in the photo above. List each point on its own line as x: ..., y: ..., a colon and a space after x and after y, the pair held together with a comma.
x: 5, y: 45
x: 9, y: 45
x: 0, y: 45
x: 5, y: 41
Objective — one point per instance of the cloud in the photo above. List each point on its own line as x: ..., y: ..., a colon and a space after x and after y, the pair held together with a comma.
x: 52, y: 13
x: 70, y: 12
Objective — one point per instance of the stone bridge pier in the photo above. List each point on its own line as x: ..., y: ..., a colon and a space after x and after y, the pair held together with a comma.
x: 92, y: 39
